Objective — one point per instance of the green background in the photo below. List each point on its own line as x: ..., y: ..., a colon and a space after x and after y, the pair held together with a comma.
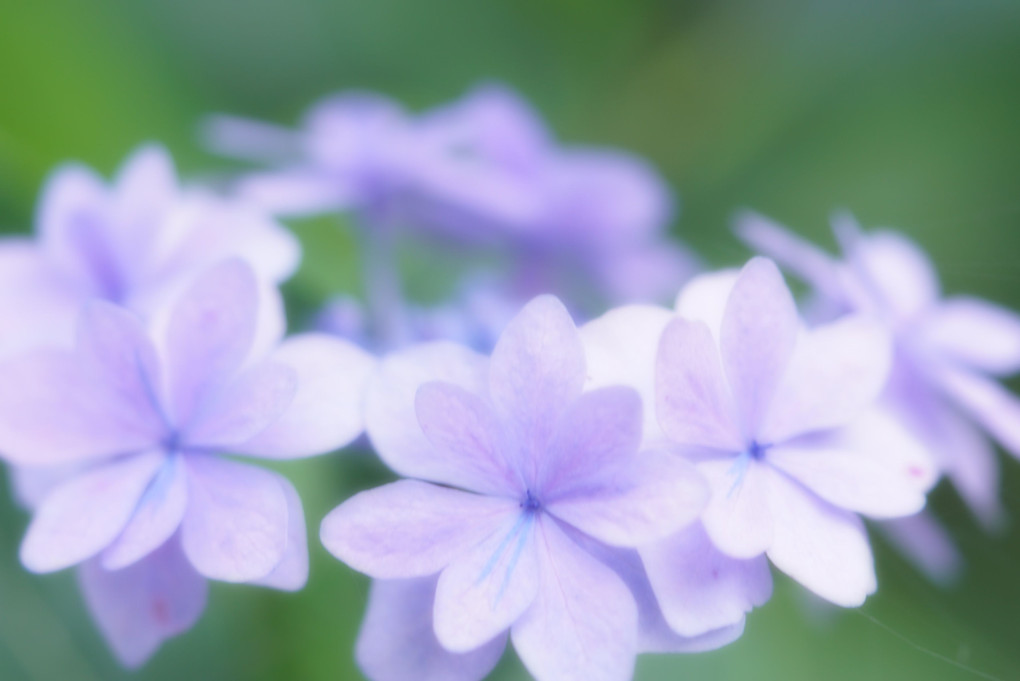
x: 907, y: 112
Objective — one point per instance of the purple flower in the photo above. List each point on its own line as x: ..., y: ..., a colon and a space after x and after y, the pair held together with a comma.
x: 518, y: 475
x: 483, y: 170
x: 949, y: 352
x: 147, y: 505
x: 355, y: 151
x: 599, y: 214
x: 135, y: 243
x: 777, y: 419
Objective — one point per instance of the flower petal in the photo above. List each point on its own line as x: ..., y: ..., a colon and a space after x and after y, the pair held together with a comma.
x: 822, y: 547
x: 537, y: 368
x: 757, y: 338
x: 567, y: 633
x: 485, y: 590
x: 296, y: 192
x: 82, y: 516
x: 976, y: 333
x: 700, y: 589
x: 462, y: 427
x: 291, y: 573
x: 874, y: 467
x: 971, y: 463
x: 620, y: 348
x: 32, y: 293
x: 737, y: 517
x: 210, y: 333
x: 602, y: 428
x: 988, y: 403
x: 693, y: 401
x: 397, y: 641
x: 235, y: 528
x: 704, y: 299
x: 146, y: 184
x: 204, y: 229
x: 243, y: 407
x: 893, y: 267
x: 649, y: 272
x: 654, y: 633
x: 30, y: 486
x: 157, y: 516
x: 56, y: 408
x: 926, y: 544
x: 803, y: 258
x: 650, y: 496
x: 113, y: 346
x: 836, y: 372
x: 327, y: 411
x: 390, y: 414
x: 141, y: 606
x: 956, y: 444
x: 100, y: 400
x: 410, y: 528
x: 248, y: 139
x: 73, y: 216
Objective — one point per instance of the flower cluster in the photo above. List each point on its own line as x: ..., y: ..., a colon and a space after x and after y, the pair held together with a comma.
x: 589, y: 492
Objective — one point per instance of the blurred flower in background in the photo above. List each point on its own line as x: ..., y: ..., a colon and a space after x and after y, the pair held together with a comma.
x: 481, y: 173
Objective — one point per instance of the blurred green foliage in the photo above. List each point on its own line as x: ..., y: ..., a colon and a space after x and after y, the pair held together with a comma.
x: 905, y: 112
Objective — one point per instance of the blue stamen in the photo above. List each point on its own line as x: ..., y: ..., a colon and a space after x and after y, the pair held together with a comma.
x: 754, y: 452
x: 518, y: 535
x: 501, y: 549
x: 521, y: 540
x: 738, y: 470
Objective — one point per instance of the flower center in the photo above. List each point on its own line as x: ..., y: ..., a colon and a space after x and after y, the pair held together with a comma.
x: 172, y: 442
x: 754, y: 452
x: 757, y: 451
x: 530, y: 504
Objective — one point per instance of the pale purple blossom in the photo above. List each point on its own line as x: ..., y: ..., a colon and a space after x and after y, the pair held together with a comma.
x: 778, y: 420
x: 136, y: 421
x: 483, y: 170
x: 949, y: 352
x: 520, y: 481
x: 134, y: 242
x: 362, y: 153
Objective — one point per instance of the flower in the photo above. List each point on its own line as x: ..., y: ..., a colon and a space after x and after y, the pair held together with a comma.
x: 777, y: 419
x: 949, y: 352
x: 134, y: 243
x: 481, y: 172
x: 355, y: 151
x: 518, y: 478
x: 149, y: 506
